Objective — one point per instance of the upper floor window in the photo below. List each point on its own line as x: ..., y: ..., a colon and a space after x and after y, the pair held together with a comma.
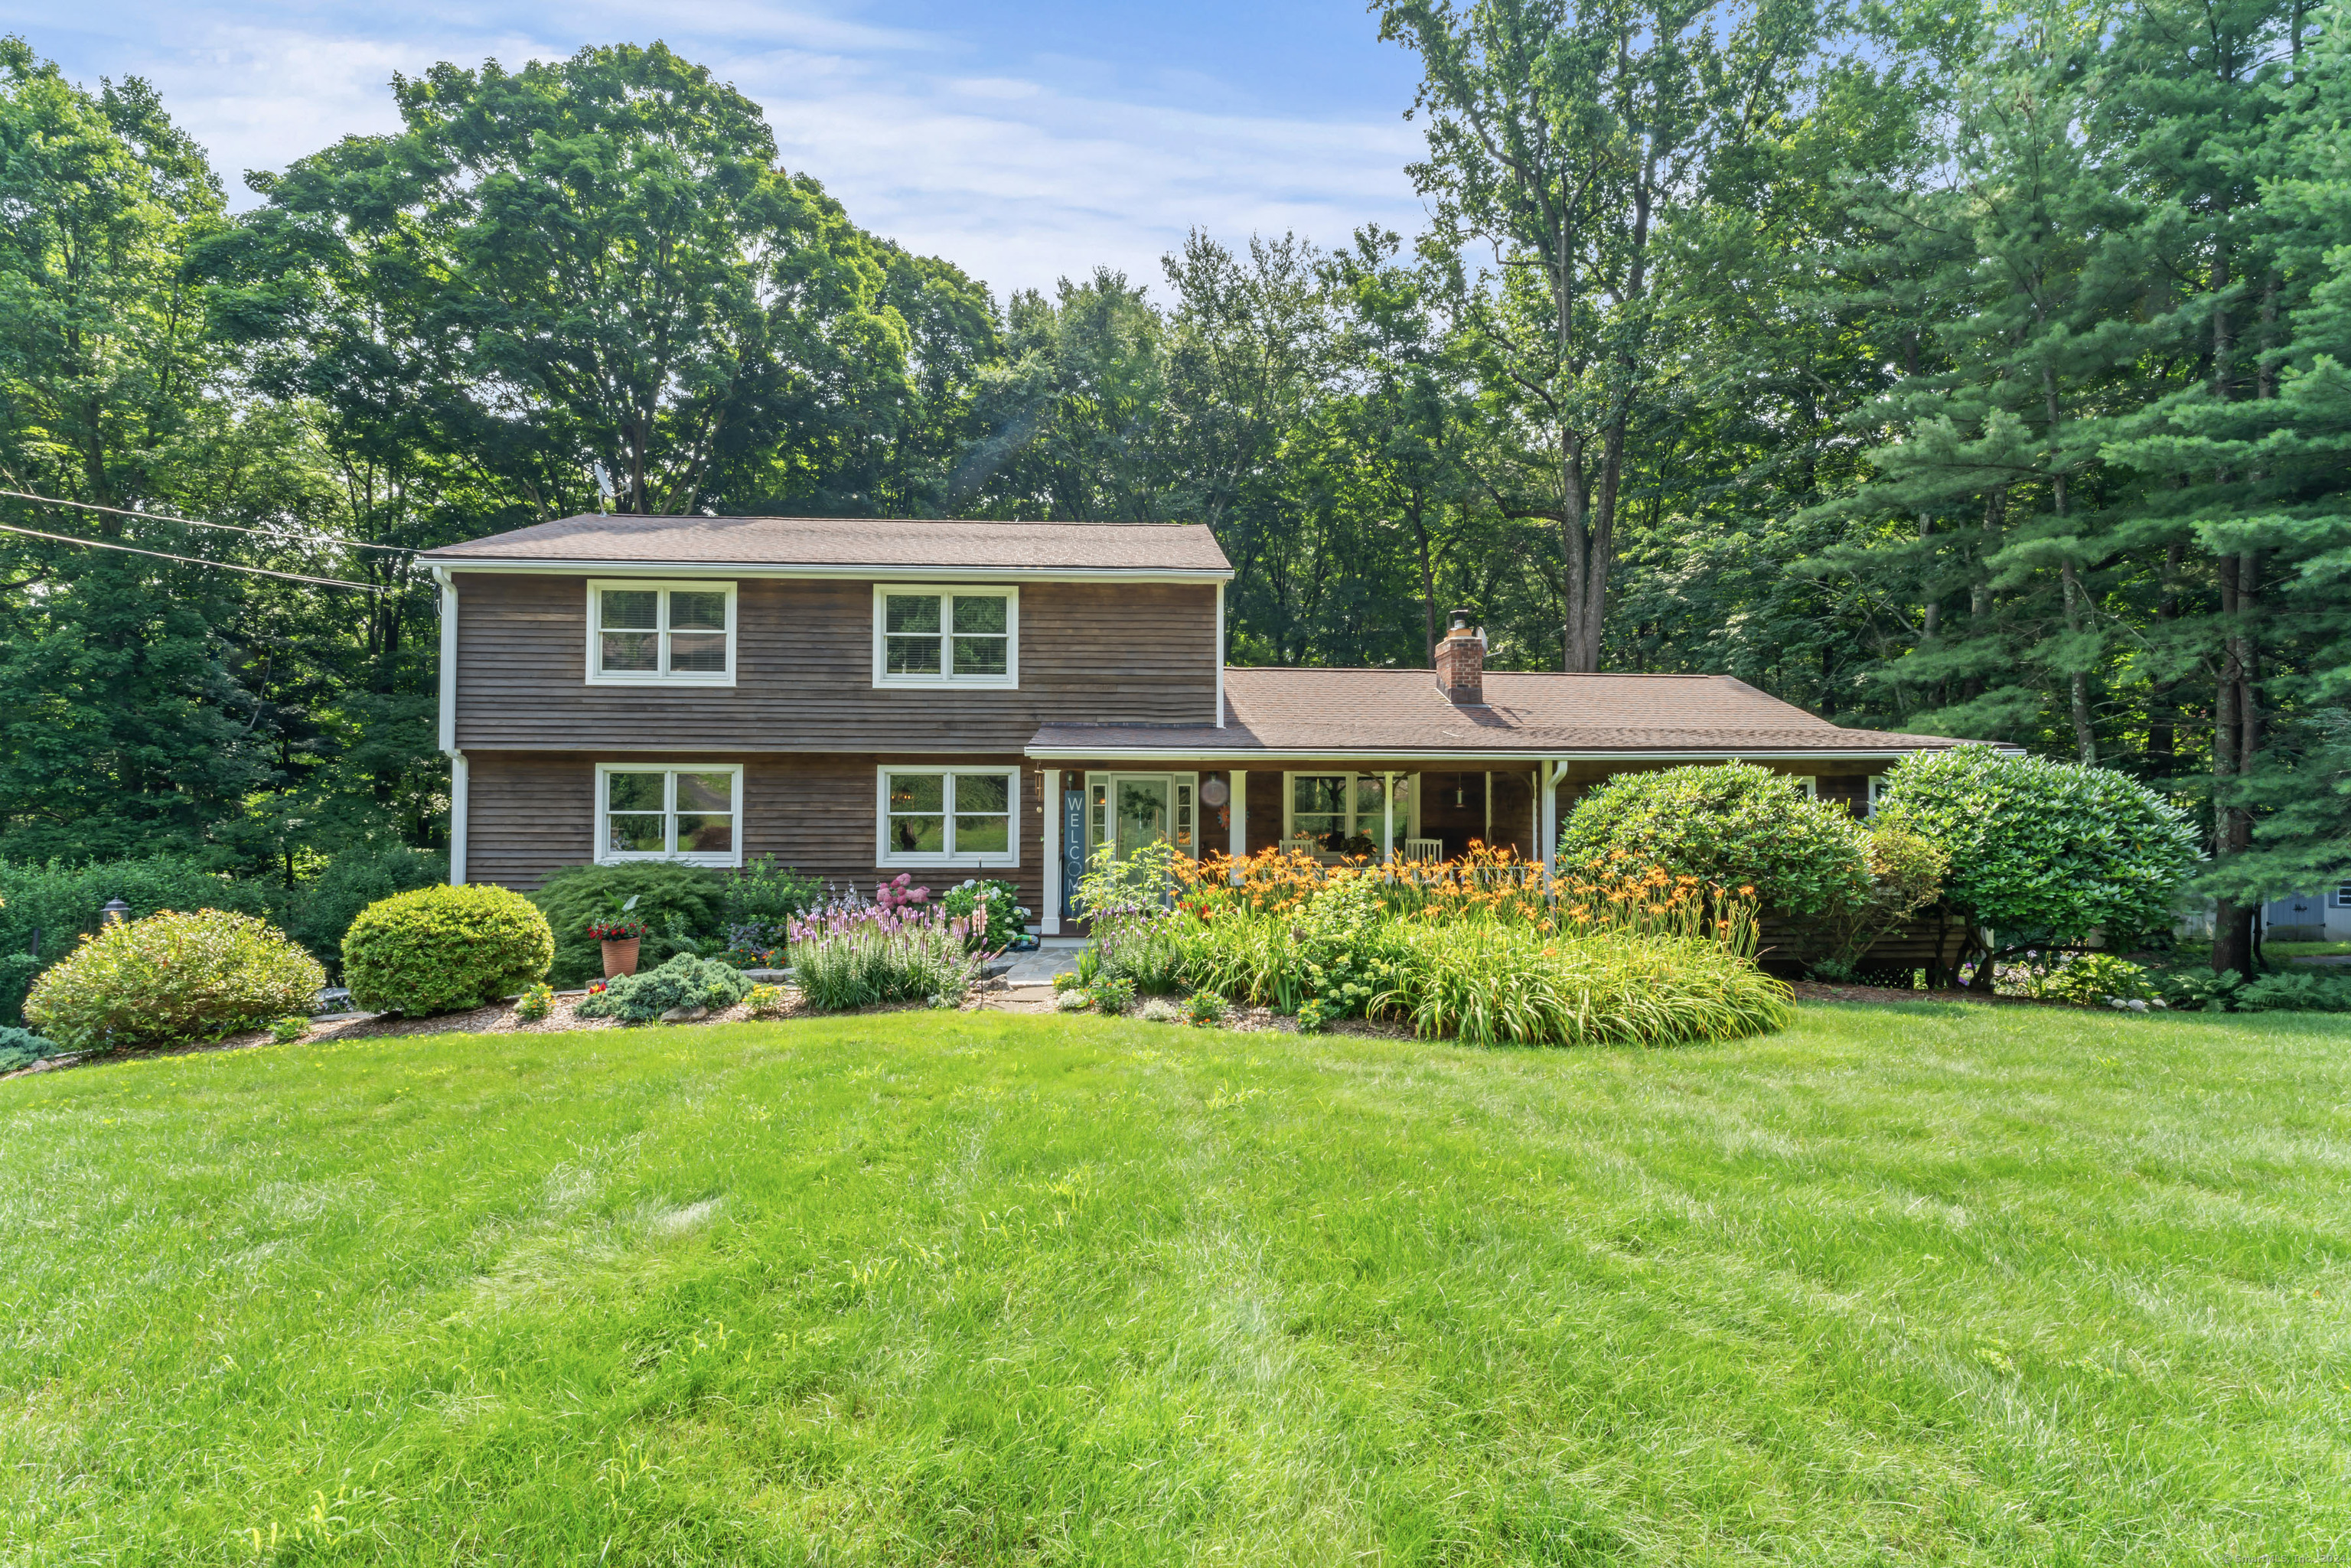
x: 664, y: 633
x: 925, y: 636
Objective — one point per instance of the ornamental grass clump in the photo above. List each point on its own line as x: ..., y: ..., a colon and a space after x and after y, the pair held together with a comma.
x: 172, y: 976
x: 897, y: 947
x: 1512, y: 984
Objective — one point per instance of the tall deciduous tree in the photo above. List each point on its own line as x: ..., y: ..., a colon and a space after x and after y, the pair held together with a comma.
x: 1563, y: 137
x: 606, y: 251
x: 122, y: 722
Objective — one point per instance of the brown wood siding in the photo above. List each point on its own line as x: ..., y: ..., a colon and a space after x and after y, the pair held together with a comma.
x: 1264, y: 808
x: 1089, y: 652
x: 532, y: 813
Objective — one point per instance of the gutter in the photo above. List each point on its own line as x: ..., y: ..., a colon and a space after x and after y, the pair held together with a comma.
x: 866, y: 573
x: 1242, y: 757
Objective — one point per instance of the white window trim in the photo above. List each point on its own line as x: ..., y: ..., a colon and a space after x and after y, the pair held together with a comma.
x: 1869, y: 800
x: 599, y: 676
x: 883, y: 855
x: 1183, y: 797
x: 2342, y: 899
x: 1008, y: 681
x: 607, y: 855
x: 1407, y: 826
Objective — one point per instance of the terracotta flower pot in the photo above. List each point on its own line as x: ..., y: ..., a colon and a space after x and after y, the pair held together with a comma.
x: 621, y: 958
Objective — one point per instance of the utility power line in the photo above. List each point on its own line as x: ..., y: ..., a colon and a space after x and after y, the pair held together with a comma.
x: 190, y: 522
x: 193, y: 560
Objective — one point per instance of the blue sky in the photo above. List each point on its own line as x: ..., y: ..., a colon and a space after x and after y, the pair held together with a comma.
x: 1022, y: 141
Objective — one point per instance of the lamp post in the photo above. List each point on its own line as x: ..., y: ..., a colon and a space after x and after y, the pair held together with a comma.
x: 115, y: 913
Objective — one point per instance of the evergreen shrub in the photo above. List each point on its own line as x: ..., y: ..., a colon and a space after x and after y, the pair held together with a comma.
x: 172, y: 976
x: 682, y: 906
x: 440, y: 949
x: 684, y: 981
x: 22, y: 1048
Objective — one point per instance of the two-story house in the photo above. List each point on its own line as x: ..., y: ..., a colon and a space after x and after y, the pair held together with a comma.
x: 961, y: 698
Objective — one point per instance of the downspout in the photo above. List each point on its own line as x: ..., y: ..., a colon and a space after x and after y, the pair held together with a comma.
x: 1220, y: 655
x: 459, y: 781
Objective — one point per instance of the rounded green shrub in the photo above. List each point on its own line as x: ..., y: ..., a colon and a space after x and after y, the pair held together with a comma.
x: 1737, y: 825
x: 172, y: 976
x: 2045, y: 850
x: 439, y: 949
x: 680, y: 906
x: 356, y: 877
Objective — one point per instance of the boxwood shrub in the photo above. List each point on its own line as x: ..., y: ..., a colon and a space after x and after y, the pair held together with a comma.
x: 438, y: 949
x: 681, y: 907
x: 172, y: 976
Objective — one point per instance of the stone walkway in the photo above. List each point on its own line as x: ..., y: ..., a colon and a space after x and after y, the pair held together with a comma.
x: 1029, y: 983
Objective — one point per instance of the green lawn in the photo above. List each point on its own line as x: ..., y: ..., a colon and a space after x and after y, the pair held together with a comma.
x: 1936, y: 1283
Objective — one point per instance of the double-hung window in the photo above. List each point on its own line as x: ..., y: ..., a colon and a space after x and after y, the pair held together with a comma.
x: 2343, y: 896
x: 949, y: 817
x: 925, y: 636
x: 692, y: 812
x: 661, y: 633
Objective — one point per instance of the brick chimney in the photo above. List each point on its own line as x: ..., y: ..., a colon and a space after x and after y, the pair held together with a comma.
x: 1461, y: 661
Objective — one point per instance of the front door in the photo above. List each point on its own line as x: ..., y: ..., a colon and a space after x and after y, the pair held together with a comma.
x: 1140, y: 809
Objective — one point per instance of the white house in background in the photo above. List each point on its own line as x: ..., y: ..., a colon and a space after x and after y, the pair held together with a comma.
x: 2310, y: 916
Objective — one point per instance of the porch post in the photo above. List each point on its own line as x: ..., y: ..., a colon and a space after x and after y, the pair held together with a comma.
x: 1236, y: 814
x: 1049, y: 846
x: 1387, y: 819
x: 1549, y: 838
x: 1488, y: 840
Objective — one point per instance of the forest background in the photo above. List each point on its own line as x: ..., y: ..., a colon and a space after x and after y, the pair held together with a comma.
x: 1974, y: 371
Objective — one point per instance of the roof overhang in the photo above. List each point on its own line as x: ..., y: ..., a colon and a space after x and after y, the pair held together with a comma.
x: 863, y: 573
x: 1239, y: 756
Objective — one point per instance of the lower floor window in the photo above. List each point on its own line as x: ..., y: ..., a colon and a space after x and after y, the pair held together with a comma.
x: 1346, y: 813
x: 686, y: 813
x: 949, y: 816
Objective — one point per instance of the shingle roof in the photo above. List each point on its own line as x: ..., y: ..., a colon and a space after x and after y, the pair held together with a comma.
x: 1309, y: 712
x: 883, y: 542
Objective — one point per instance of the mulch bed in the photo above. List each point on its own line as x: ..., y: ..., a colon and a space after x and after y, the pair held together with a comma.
x: 1820, y: 991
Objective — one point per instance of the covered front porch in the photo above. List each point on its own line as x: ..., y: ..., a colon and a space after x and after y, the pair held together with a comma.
x: 1334, y: 808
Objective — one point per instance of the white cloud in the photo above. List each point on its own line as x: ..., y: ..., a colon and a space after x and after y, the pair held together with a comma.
x: 1019, y: 175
